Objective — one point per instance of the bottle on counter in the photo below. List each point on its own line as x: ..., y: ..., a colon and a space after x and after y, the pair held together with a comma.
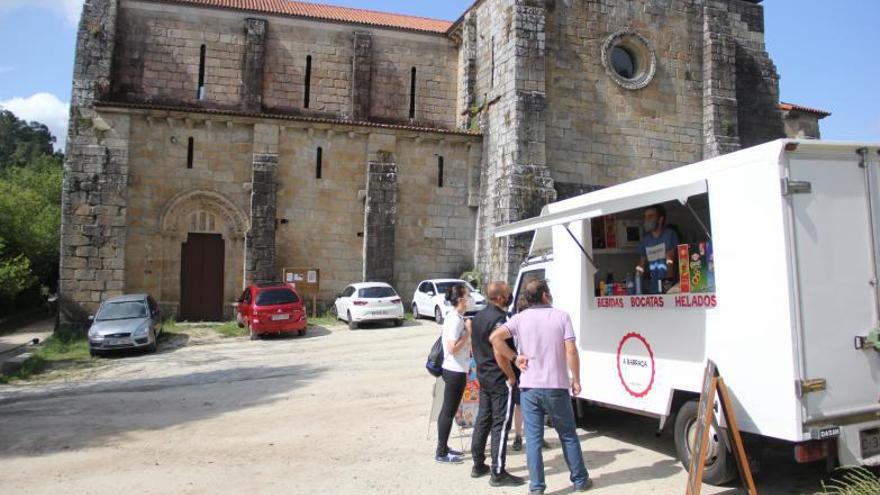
x: 609, y: 284
x: 638, y: 284
x: 630, y: 284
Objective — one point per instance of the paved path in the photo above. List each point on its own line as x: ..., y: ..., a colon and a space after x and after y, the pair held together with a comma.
x: 336, y: 412
x: 10, y: 344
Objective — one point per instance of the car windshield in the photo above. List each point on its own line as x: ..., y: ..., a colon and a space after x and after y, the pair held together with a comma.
x: 376, y: 292
x: 276, y: 296
x: 122, y: 310
x: 443, y: 287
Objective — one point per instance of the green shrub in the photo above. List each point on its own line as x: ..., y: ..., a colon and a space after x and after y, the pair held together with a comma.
x: 852, y: 481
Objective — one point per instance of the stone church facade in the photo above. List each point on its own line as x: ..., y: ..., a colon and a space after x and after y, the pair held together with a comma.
x: 214, y: 142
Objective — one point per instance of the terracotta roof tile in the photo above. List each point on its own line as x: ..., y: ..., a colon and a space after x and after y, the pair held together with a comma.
x: 791, y: 106
x: 326, y: 12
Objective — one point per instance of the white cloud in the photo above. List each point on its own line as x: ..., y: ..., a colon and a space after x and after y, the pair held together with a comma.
x: 69, y: 9
x: 45, y: 108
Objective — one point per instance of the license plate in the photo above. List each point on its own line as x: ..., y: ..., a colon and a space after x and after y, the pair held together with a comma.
x: 280, y: 317
x: 116, y: 341
x: 380, y: 313
x: 870, y: 442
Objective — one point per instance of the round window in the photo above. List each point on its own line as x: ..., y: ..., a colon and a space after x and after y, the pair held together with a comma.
x: 623, y: 62
x: 629, y: 59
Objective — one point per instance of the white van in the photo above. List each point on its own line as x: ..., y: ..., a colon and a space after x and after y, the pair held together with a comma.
x: 789, y: 230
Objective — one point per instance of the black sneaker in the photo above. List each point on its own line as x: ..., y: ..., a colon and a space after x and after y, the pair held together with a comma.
x: 455, y: 452
x: 517, y: 443
x: 505, y: 479
x: 479, y: 470
x: 586, y: 486
x: 448, y: 459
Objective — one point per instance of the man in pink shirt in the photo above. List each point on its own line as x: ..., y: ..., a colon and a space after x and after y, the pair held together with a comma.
x: 547, y: 352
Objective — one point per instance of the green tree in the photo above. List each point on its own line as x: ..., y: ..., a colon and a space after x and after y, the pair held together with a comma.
x: 15, y: 275
x: 21, y: 142
x: 31, y: 174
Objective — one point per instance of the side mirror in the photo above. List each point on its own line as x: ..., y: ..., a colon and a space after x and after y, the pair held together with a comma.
x: 91, y: 317
x: 431, y: 293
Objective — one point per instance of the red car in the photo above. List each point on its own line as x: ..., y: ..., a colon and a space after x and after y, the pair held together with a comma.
x: 274, y: 308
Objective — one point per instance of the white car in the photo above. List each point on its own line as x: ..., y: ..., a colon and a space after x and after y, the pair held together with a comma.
x: 369, y: 301
x: 430, y: 299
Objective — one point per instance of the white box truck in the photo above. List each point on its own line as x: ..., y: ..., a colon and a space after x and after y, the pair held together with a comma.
x: 790, y: 230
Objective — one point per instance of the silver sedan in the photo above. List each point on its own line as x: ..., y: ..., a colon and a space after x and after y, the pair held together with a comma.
x: 125, y: 322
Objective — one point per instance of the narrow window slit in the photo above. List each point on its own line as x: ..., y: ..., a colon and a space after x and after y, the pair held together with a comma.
x: 318, y: 162
x: 308, y: 89
x: 190, y: 148
x: 200, y: 93
x: 412, y: 94
x: 439, y: 171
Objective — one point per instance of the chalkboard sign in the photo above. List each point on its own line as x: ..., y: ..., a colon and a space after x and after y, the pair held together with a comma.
x: 712, y: 384
x: 704, y: 423
x: 734, y: 438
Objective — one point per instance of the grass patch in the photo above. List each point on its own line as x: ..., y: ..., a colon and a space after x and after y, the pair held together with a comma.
x: 54, y: 350
x: 855, y: 481
x: 230, y: 329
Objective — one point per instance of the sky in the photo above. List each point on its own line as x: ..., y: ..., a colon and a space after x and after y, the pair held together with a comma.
x: 825, y: 53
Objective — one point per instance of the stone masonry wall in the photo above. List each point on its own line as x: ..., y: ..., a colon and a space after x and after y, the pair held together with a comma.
x: 435, y: 60
x: 600, y: 133
x: 93, y: 212
x: 434, y: 230
x: 164, y: 196
x: 380, y: 219
x: 157, y: 59
x: 516, y: 181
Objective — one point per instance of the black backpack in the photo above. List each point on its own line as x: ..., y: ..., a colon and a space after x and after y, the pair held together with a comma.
x: 435, y: 358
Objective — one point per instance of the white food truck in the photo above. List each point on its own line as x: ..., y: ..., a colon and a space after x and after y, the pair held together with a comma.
x: 776, y: 282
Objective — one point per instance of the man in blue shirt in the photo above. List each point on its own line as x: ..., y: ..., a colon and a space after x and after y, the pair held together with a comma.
x: 657, y: 250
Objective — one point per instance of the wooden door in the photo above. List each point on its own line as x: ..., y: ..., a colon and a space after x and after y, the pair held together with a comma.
x: 201, y: 278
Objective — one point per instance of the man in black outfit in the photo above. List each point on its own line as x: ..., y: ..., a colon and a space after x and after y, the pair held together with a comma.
x: 497, y: 395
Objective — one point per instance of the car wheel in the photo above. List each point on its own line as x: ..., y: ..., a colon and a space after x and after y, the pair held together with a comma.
x: 398, y: 323
x: 352, y: 325
x: 153, y: 346
x: 334, y: 312
x: 239, y: 319
x: 438, y: 315
x: 720, y: 467
x: 415, y: 311
x: 253, y: 335
x: 93, y: 353
x: 302, y: 333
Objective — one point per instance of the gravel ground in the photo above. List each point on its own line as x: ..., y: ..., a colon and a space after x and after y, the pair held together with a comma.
x: 338, y: 411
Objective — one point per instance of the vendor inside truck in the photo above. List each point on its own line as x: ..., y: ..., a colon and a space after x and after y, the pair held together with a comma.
x: 658, y: 251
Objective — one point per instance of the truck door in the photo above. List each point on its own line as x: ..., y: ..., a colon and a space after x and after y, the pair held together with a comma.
x: 835, y: 272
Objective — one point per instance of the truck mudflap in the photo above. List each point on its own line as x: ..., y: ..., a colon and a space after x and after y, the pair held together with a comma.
x: 859, y: 444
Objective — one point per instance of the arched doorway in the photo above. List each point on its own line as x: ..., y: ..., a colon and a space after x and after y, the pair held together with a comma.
x: 203, y: 243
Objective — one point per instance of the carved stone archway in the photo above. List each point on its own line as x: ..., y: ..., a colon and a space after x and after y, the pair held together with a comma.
x: 202, y: 212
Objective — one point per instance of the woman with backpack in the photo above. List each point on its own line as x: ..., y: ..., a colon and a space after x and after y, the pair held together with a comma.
x: 456, y: 339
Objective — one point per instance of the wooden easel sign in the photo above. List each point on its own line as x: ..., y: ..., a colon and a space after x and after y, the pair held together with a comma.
x: 712, y: 384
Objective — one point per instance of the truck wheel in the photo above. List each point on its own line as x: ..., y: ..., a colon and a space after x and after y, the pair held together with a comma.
x: 720, y: 466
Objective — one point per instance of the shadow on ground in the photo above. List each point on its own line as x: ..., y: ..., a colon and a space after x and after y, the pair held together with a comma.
x: 103, y: 413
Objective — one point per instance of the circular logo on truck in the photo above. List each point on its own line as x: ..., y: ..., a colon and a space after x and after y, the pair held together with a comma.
x: 635, y: 365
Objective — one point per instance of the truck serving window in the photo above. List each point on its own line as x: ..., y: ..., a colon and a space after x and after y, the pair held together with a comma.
x: 657, y: 251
